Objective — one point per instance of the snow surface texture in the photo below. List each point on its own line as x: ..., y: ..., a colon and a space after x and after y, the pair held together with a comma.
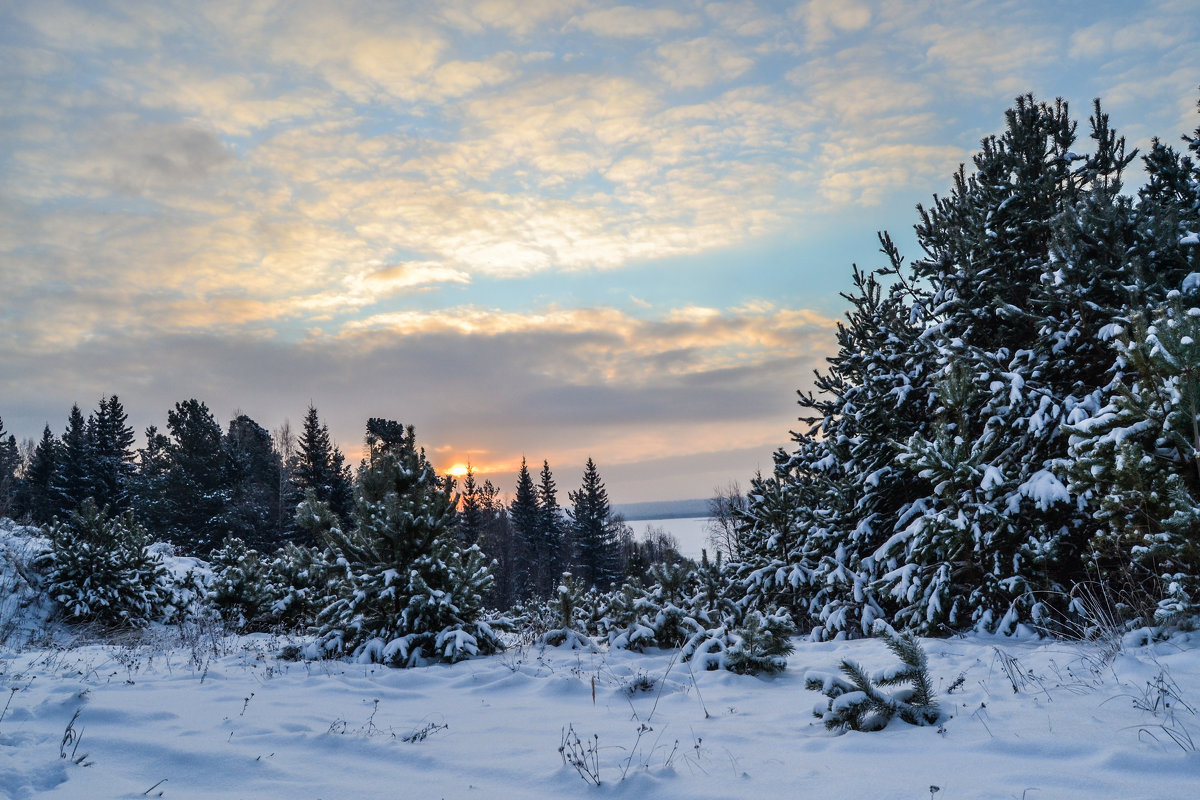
x: 195, y: 714
x: 25, y: 610
x: 221, y: 718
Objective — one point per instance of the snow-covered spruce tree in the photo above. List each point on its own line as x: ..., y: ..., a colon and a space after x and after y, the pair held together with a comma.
x: 811, y: 529
x: 404, y: 593
x: 1023, y: 257
x: 100, y: 570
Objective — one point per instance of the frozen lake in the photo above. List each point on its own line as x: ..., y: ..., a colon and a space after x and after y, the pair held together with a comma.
x: 690, y: 532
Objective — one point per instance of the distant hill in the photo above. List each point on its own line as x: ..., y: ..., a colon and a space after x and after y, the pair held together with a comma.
x: 662, y: 509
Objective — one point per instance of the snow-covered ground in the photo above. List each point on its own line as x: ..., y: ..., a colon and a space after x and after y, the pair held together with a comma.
x: 203, y: 717
x: 189, y: 713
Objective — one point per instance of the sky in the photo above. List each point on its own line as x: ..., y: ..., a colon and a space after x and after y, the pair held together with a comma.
x: 549, y: 229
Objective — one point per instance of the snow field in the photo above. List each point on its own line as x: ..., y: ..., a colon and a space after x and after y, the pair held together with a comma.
x: 215, y: 717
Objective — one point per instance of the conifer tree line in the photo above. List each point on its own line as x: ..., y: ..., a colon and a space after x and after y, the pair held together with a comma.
x: 1011, y: 422
x: 199, y: 487
x: 193, y: 485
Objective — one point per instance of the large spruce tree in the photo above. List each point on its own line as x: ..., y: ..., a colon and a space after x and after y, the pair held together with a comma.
x: 548, y: 542
x: 523, y: 520
x: 37, y: 490
x: 470, y: 509
x: 73, y: 478
x: 112, y: 456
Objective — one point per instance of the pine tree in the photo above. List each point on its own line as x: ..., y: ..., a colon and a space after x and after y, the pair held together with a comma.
x: 858, y: 702
x: 1138, y: 457
x: 810, y: 531
x: 405, y: 593
x: 101, y: 571
x: 240, y: 589
x: 321, y: 467
x: 592, y: 531
x: 937, y: 486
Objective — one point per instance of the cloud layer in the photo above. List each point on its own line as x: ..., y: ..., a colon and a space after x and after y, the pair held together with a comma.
x: 330, y: 194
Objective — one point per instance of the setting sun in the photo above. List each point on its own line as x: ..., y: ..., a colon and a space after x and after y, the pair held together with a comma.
x: 458, y: 470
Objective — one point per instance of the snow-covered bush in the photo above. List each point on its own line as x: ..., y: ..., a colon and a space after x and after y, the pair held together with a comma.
x: 298, y: 577
x: 100, y: 569
x: 570, y: 631
x: 240, y: 590
x: 24, y: 607
x: 760, y: 644
x: 253, y: 591
x: 857, y: 702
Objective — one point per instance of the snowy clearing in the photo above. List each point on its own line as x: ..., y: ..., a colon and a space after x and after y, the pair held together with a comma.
x: 201, y: 716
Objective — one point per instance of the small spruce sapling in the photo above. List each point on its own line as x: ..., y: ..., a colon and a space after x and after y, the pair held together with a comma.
x: 858, y: 702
